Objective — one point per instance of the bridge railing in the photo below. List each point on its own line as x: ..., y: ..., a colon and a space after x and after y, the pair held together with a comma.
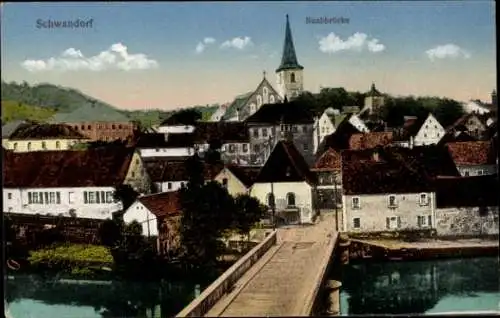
x: 213, y: 293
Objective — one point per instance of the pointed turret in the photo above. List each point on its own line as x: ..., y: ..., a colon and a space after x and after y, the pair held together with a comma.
x: 289, y: 58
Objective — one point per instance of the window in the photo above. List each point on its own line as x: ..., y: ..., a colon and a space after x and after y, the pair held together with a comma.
x: 435, y: 127
x: 271, y: 98
x: 355, y: 203
x: 109, y: 197
x: 256, y: 148
x: 52, y: 198
x: 14, y: 146
x: 103, y: 197
x: 132, y: 174
x: 46, y: 197
x: 256, y: 133
x: 480, y: 172
x: 424, y: 220
x: 169, y: 185
x: 91, y: 197
x: 89, y: 127
x: 119, y: 126
x: 393, y: 222
x: 290, y: 199
x: 224, y: 182
x: 356, y: 223
x: 259, y: 100
x: 40, y: 197
x: 270, y: 200
x: 264, y: 132
x: 29, y: 146
x: 423, y: 199
x: 304, y: 129
x: 231, y: 148
x: 292, y: 77
x: 323, y: 129
x: 9, y: 196
x: 425, y: 135
x: 58, y: 197
x: 245, y: 147
x: 58, y: 145
x: 44, y: 145
x: 71, y: 198
x: 466, y: 173
x: 392, y: 201
x: 83, y: 127
x: 306, y: 147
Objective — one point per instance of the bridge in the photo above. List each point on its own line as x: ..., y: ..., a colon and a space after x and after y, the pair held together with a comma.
x: 282, y: 276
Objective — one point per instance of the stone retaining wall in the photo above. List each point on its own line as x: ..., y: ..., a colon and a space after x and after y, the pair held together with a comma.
x: 467, y: 221
x: 213, y: 293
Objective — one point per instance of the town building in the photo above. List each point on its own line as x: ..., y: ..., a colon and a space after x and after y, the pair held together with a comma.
x: 374, y: 101
x: 328, y: 193
x: 237, y: 179
x: 474, y: 158
x: 419, y: 132
x: 384, y: 194
x: 339, y: 140
x: 98, y: 123
x: 470, y: 123
x: 165, y: 145
x: 159, y: 214
x: 285, y: 184
x: 273, y: 122
x: 467, y: 206
x: 70, y: 183
x: 43, y: 137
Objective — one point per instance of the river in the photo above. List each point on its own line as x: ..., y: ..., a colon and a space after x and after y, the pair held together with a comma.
x: 427, y: 287
x: 31, y: 296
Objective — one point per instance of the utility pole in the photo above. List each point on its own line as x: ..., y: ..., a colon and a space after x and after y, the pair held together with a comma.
x: 273, y: 206
x: 335, y: 202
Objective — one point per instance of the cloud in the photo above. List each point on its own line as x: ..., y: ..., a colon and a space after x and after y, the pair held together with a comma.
x: 201, y: 46
x: 116, y: 57
x: 238, y: 43
x: 356, y: 42
x: 447, y: 51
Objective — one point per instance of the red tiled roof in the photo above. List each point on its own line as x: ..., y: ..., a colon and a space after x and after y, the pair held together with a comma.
x: 166, y: 170
x: 45, y: 131
x: 50, y: 169
x: 162, y: 204
x: 285, y: 164
x: 329, y: 161
x: 370, y: 140
x: 472, y: 152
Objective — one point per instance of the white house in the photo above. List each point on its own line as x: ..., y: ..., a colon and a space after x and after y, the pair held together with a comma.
x: 419, y: 132
x: 286, y: 182
x: 219, y: 113
x: 382, y: 196
x: 476, y: 106
x: 474, y: 158
x: 70, y: 183
x: 325, y: 125
x: 166, y: 145
x: 147, y: 209
x: 358, y: 123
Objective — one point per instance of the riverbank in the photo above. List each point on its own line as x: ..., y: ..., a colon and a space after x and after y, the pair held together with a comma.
x: 424, y: 249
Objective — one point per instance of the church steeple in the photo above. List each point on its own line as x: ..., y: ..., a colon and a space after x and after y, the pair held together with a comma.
x: 289, y: 58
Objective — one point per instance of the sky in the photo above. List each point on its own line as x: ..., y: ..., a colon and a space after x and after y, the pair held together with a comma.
x: 166, y: 55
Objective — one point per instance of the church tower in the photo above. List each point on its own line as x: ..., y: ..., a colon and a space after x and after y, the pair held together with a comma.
x: 290, y: 73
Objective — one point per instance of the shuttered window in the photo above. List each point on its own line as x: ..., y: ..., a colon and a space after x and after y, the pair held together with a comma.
x: 30, y: 198
x: 58, y: 197
x: 85, y: 197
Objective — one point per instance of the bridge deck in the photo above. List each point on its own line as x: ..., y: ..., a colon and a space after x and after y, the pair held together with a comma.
x: 280, y: 282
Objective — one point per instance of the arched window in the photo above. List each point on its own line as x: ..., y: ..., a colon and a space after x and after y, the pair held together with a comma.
x: 252, y: 107
x: 29, y: 146
x: 290, y: 199
x: 58, y: 145
x: 292, y: 77
x: 270, y: 200
x: 271, y: 99
x: 259, y: 100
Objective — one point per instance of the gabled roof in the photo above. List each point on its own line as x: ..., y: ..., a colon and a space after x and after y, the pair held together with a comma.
x: 328, y: 161
x: 370, y: 140
x: 162, y: 204
x: 410, y: 129
x: 339, y: 139
x: 373, y: 91
x: 467, y: 191
x: 285, y: 164
x: 293, y: 112
x: 460, y: 124
x: 91, y: 113
x: 472, y: 152
x: 225, y: 132
x: 380, y: 174
x: 158, y: 140
x: 45, y: 131
x: 100, y: 167
x: 289, y: 58
x: 246, y: 175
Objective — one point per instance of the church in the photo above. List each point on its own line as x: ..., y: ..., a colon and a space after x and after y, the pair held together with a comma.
x: 289, y: 84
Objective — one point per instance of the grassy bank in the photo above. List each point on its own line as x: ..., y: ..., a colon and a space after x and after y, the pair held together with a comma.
x: 74, y: 259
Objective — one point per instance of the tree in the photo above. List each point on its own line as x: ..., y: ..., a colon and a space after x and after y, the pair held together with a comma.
x: 126, y: 194
x: 248, y: 211
x: 206, y: 214
x: 110, y: 233
x: 186, y: 116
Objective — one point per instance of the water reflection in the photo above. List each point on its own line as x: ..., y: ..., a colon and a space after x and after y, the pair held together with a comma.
x: 28, y: 294
x: 420, y: 287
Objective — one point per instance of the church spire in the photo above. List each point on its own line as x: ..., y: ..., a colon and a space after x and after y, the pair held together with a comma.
x: 289, y: 58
